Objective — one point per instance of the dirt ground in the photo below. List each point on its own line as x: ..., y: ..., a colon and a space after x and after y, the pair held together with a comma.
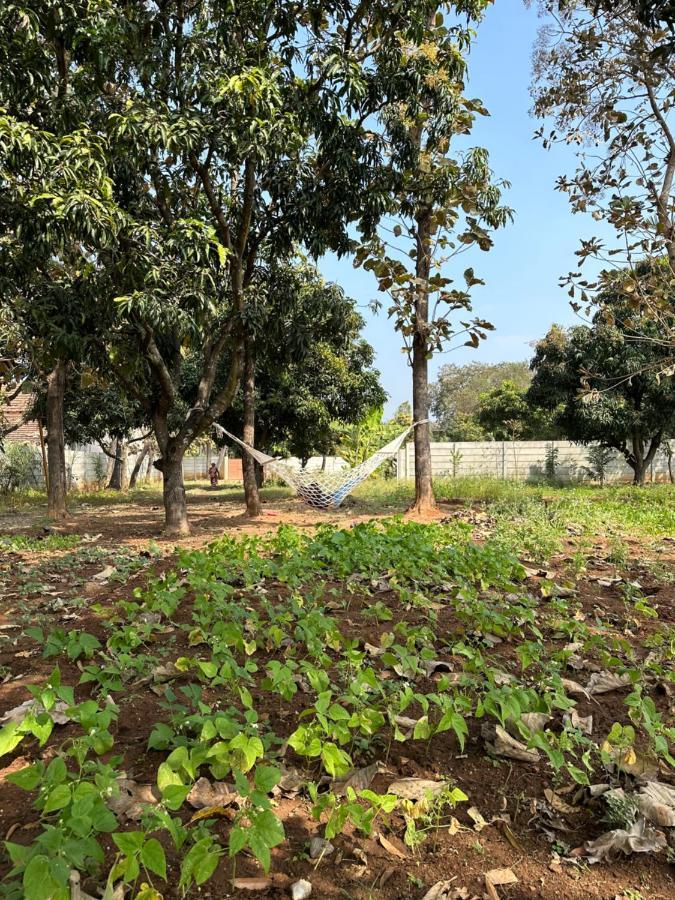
x: 504, y: 793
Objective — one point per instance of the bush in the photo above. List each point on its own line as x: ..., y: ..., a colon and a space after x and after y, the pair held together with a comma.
x: 19, y: 467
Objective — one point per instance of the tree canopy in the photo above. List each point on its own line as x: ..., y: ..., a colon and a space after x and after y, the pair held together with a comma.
x: 607, y: 384
x: 603, y: 83
x: 455, y: 395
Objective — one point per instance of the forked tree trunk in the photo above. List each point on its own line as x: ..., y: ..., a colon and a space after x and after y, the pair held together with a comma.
x: 56, y: 444
x: 253, y: 505
x: 638, y: 459
x: 424, y: 493
x: 145, y: 449
x: 118, y: 479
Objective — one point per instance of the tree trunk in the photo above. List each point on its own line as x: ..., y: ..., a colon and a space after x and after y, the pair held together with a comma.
x: 424, y: 493
x: 148, y: 471
x: 145, y: 449
x: 221, y: 463
x: 638, y: 460
x: 173, y: 490
x: 56, y: 444
x: 116, y: 482
x: 253, y: 506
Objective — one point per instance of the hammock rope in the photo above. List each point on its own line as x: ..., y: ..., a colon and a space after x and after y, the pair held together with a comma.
x: 322, y: 490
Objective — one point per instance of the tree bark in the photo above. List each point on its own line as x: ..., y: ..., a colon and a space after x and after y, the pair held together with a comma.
x: 118, y: 479
x: 145, y: 449
x: 424, y: 493
x: 253, y: 505
x: 148, y: 471
x: 56, y: 444
x: 221, y: 463
x: 638, y: 459
x: 173, y: 489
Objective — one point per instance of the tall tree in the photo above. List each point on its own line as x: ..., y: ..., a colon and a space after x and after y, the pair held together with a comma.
x: 232, y: 132
x: 56, y: 208
x: 608, y: 385
x: 455, y: 395
x: 602, y: 81
x: 311, y: 365
x: 443, y: 203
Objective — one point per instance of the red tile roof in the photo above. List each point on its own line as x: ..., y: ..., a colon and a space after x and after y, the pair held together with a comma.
x: 14, y: 412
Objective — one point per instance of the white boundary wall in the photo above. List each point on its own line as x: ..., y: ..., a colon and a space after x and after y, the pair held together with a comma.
x: 518, y: 461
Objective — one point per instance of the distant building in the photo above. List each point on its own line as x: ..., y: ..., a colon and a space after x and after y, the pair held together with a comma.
x: 16, y: 412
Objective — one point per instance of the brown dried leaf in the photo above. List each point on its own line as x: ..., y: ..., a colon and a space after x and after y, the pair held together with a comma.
x: 583, y: 723
x: 357, y: 779
x: 604, y: 682
x: 132, y: 800
x: 640, y: 838
x: 392, y: 848
x: 415, y: 788
x: 496, y: 877
x: 205, y: 794
x: 476, y: 817
x: 656, y: 802
x: 57, y: 712
x: 442, y: 890
x: 502, y: 744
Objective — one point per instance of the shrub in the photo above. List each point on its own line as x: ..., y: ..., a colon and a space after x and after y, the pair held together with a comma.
x: 19, y: 467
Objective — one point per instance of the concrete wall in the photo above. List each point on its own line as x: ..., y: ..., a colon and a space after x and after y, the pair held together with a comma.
x: 518, y: 460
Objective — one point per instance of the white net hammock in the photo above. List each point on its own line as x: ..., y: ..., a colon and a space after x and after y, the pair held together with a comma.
x: 321, y: 489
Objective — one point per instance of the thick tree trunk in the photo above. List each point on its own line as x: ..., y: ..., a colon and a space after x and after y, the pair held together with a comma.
x: 145, y: 449
x: 253, y: 505
x: 56, y: 445
x: 173, y: 491
x: 424, y: 493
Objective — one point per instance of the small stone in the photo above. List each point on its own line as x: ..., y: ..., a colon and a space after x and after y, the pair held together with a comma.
x: 318, y: 848
x: 300, y: 890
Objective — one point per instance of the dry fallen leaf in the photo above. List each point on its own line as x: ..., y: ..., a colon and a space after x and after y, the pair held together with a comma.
x: 132, y: 800
x: 474, y: 814
x: 19, y: 713
x: 205, y: 794
x: 640, y: 838
x: 495, y: 877
x: 415, y: 788
x: 392, y: 848
x: 441, y: 890
x: 656, y: 802
x: 558, y: 804
x: 454, y: 827
x: 357, y: 779
x: 502, y: 744
x: 583, y: 723
x: 604, y: 682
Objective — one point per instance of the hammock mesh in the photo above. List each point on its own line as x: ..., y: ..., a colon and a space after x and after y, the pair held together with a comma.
x: 323, y: 490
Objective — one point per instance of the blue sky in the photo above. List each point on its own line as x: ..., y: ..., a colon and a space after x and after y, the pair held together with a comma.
x: 522, y: 297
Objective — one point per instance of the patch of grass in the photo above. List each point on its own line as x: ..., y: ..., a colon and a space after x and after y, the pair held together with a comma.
x: 44, y: 544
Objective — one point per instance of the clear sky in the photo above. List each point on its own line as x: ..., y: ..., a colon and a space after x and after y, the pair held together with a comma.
x: 521, y: 297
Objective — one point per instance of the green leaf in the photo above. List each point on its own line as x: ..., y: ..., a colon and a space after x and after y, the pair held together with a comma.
x: 153, y: 857
x: 266, y: 777
x: 28, y: 778
x: 39, y: 882
x: 237, y: 840
x: 10, y: 737
x: 58, y: 798
x: 129, y: 842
